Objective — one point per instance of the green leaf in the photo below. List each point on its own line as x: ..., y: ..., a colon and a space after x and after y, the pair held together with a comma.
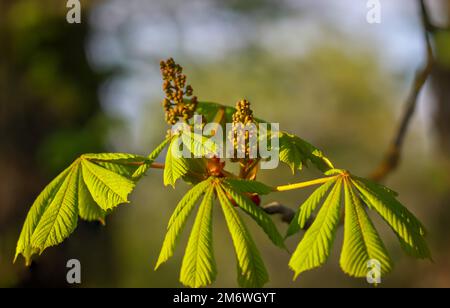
x: 199, y: 267
x: 150, y: 159
x: 361, y: 240
x: 40, y: 205
x: 290, y: 155
x: 251, y: 269
x: 107, y: 188
x: 246, y: 186
x: 314, y: 248
x: 176, y: 166
x: 209, y: 111
x: 198, y: 145
x: 257, y: 214
x: 88, y: 209
x: 60, y: 217
x: 121, y: 163
x: 408, y: 229
x: 86, y: 189
x: 295, y: 152
x: 294, y: 226
x: 195, y: 166
x: 178, y: 220
x: 308, y: 207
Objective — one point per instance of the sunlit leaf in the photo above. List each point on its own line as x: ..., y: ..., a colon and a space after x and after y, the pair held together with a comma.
x: 178, y: 220
x: 314, y: 248
x: 199, y: 267
x: 176, y: 166
x: 251, y: 269
x: 361, y: 240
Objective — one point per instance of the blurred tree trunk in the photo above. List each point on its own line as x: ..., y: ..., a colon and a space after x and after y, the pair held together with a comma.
x: 440, y: 83
x: 49, y: 114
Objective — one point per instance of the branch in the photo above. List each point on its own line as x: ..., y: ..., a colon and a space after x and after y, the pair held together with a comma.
x: 287, y: 214
x: 157, y: 165
x: 392, y: 157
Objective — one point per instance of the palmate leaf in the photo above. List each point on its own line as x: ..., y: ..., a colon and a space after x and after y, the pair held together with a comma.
x: 176, y: 166
x: 251, y: 269
x: 295, y: 152
x: 88, y: 209
x: 361, y: 240
x: 410, y: 232
x: 43, y: 201
x: 199, y: 145
x: 314, y: 249
x: 246, y: 186
x: 86, y: 189
x: 232, y: 187
x: 107, y: 188
x: 209, y: 111
x: 178, y: 220
x: 199, y: 267
x: 307, y: 208
x: 121, y: 163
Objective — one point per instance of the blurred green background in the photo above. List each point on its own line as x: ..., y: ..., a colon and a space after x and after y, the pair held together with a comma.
x: 316, y: 67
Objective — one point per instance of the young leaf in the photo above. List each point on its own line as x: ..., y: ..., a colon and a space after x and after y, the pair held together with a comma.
x: 150, y: 159
x: 408, y: 229
x: 178, y: 220
x: 123, y: 164
x: 251, y: 269
x: 294, y: 226
x: 209, y: 111
x: 40, y: 205
x: 176, y: 166
x: 54, y: 214
x: 295, y: 152
x: 60, y: 218
x: 195, y: 166
x: 198, y: 145
x: 88, y: 209
x: 361, y: 240
x: 257, y: 214
x: 199, y: 267
x: 307, y: 208
x: 314, y: 248
x: 246, y: 186
x: 107, y: 188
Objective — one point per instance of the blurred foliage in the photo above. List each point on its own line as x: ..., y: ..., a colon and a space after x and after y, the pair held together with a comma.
x: 49, y: 114
x: 336, y: 95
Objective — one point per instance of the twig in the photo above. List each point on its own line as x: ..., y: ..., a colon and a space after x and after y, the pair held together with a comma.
x: 287, y: 214
x: 157, y: 165
x: 392, y: 157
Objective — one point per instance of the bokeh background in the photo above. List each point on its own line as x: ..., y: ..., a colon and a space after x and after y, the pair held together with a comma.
x: 315, y: 66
